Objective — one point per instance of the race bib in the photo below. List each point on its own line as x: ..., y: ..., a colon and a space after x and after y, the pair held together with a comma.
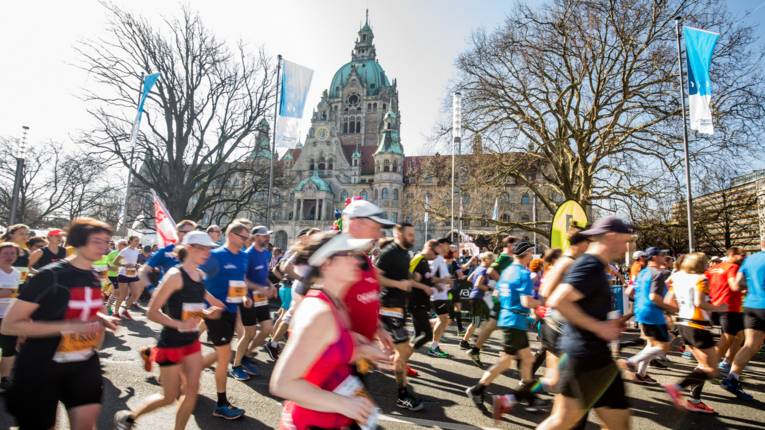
x: 259, y: 299
x: 23, y: 274
x: 392, y: 312
x: 77, y: 346
x: 352, y: 387
x: 130, y: 271
x: 192, y: 310
x: 5, y: 302
x: 237, y: 291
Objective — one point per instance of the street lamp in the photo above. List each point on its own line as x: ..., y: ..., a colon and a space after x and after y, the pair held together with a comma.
x: 19, y: 176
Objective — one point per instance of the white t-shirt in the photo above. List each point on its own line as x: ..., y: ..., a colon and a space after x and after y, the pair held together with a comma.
x: 8, y: 281
x: 439, y: 269
x: 129, y: 262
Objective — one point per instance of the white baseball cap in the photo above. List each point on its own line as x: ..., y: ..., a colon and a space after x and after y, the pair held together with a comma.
x: 200, y: 238
x: 365, y: 209
x: 638, y: 254
x: 341, y: 242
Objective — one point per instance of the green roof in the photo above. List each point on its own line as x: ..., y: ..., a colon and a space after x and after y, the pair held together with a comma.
x: 320, y: 184
x: 390, y: 143
x: 372, y: 77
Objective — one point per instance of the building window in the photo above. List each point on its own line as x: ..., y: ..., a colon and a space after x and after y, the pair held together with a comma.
x: 358, y: 125
x: 505, y: 217
x: 386, y: 166
x: 322, y: 164
x: 311, y: 165
x: 394, y: 217
x: 525, y: 199
x: 355, y: 162
x: 345, y: 125
x: 365, y: 195
x: 384, y: 106
x: 374, y: 105
x: 343, y: 196
x: 385, y: 195
x: 330, y: 163
x: 395, y: 165
x: 395, y: 194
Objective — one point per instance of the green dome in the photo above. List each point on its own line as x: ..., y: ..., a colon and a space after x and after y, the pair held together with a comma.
x: 320, y: 184
x: 371, y: 73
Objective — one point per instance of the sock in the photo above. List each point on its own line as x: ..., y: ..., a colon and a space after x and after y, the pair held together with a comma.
x: 273, y: 344
x: 647, y: 354
x: 474, y: 350
x: 733, y: 375
x: 401, y: 390
x: 479, y: 388
x: 434, y: 345
x: 642, y: 368
x: 697, y: 376
x: 696, y: 392
x: 222, y: 401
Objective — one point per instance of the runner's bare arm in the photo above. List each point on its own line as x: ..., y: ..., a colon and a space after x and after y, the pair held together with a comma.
x: 18, y: 322
x: 33, y: 259
x: 740, y: 284
x: 169, y: 285
x: 554, y: 277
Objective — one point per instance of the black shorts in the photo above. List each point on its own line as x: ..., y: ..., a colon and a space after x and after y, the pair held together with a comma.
x: 551, y: 331
x: 441, y: 307
x: 479, y: 312
x: 754, y: 319
x: 396, y: 327
x: 732, y: 322
x: 122, y: 279
x: 221, y: 331
x: 658, y: 332
x: 115, y: 280
x: 595, y: 380
x: 714, y: 318
x: 36, y: 390
x: 696, y: 337
x: 7, y: 344
x: 514, y: 340
x: 254, y: 314
x: 494, y: 313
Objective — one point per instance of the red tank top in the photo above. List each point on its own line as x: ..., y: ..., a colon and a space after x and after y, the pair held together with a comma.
x: 363, y: 302
x: 329, y: 370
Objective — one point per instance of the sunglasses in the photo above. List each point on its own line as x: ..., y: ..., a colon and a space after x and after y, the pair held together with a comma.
x: 240, y: 236
x: 185, y: 231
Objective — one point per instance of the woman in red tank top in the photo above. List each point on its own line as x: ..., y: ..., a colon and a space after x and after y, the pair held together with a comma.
x: 313, y: 374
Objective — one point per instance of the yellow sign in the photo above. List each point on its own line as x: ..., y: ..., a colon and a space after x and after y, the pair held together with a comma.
x: 568, y: 213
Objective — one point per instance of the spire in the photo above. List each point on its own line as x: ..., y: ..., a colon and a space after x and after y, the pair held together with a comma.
x: 365, y: 48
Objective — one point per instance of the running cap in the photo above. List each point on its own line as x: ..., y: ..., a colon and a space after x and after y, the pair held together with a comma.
x: 609, y: 224
x: 654, y: 251
x: 340, y: 243
x: 365, y: 209
x: 55, y: 232
x: 200, y: 238
x: 521, y: 247
x: 260, y: 230
x: 638, y: 254
x: 445, y: 240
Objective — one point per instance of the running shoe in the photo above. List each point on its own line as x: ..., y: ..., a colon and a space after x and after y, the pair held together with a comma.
x: 249, y: 366
x: 476, y: 394
x: 699, y: 407
x: 688, y: 355
x: 411, y: 372
x: 501, y: 405
x: 475, y: 357
x: 724, y: 367
x: 125, y: 314
x: 437, y: 352
x: 145, y: 354
x: 660, y: 363
x: 123, y: 420
x: 645, y: 380
x: 406, y: 400
x: 109, y: 310
x: 273, y: 351
x: 239, y: 374
x: 628, y: 365
x: 465, y: 344
x: 673, y: 391
x: 733, y: 386
x: 228, y: 412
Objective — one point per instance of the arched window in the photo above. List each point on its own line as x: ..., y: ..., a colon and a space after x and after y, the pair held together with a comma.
x: 505, y: 217
x: 377, y: 195
x: 395, y: 194
x: 358, y: 125
x: 525, y: 199
x: 374, y: 106
x: 384, y: 106
x: 343, y: 196
x: 311, y: 165
x: 345, y: 125
x: 385, y: 195
x: 355, y: 162
x: 322, y: 163
x: 395, y: 165
x: 386, y: 166
x: 330, y: 163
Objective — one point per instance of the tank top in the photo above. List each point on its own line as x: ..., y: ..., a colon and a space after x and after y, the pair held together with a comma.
x: 23, y: 260
x: 49, y: 257
x: 327, y: 373
x: 685, y: 285
x: 187, y: 302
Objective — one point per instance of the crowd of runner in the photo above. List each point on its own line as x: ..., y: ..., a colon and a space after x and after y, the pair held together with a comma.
x: 354, y: 302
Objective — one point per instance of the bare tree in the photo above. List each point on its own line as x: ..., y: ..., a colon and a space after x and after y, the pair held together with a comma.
x: 589, y: 89
x: 197, y: 129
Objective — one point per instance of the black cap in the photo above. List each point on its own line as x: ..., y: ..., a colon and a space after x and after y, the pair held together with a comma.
x: 521, y: 247
x: 654, y: 251
x: 445, y: 240
x: 609, y: 224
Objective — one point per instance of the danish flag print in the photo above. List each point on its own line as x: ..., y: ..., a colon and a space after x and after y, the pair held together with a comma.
x: 84, y: 303
x: 164, y: 223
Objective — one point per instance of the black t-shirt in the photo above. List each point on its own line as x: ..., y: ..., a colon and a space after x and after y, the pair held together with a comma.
x: 417, y: 297
x: 22, y: 260
x: 588, y: 276
x: 63, y: 292
x: 394, y: 264
x: 48, y: 257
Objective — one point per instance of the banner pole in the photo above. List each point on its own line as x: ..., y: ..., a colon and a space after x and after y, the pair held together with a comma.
x: 688, y: 192
x: 273, y: 143
x: 122, y: 221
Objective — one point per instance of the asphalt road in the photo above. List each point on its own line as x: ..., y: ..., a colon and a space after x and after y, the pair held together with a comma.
x: 441, y: 385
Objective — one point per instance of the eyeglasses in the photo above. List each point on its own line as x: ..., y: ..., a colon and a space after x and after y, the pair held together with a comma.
x: 98, y: 242
x: 185, y: 231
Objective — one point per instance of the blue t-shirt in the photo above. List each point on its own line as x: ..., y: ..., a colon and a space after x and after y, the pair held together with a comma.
x: 475, y: 292
x: 514, y: 282
x: 224, y: 266
x: 257, y: 265
x: 650, y: 280
x: 753, y: 270
x: 163, y: 258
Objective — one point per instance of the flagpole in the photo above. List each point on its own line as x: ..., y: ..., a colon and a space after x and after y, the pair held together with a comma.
x: 688, y: 193
x: 122, y: 221
x: 273, y: 142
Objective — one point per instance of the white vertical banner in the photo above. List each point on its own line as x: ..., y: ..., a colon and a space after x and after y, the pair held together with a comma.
x: 294, y: 86
x: 699, y: 46
x: 495, y: 212
x: 427, y: 208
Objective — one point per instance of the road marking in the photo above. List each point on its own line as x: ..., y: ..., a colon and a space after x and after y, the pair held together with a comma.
x: 432, y: 424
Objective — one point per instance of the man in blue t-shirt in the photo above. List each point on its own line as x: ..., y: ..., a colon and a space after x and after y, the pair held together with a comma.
x: 225, y: 270
x: 650, y: 289
x: 255, y: 311
x: 515, y: 298
x: 164, y: 258
x: 750, y: 278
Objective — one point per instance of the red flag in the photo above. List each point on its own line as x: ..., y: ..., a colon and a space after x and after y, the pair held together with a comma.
x: 163, y: 222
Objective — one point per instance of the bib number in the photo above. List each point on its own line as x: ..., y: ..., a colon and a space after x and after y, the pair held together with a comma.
x: 130, y: 271
x: 352, y: 387
x: 392, y: 312
x: 237, y: 291
x: 259, y: 299
x: 192, y: 310
x: 23, y: 274
x: 77, y: 346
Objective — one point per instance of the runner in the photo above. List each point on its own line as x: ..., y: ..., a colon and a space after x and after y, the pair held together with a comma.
x: 255, y: 310
x: 419, y: 296
x: 751, y: 280
x: 59, y: 311
x: 144, y: 256
x: 688, y: 294
x: 127, y: 260
x: 458, y: 286
x: 49, y: 254
x: 314, y: 374
x: 650, y: 288
x: 9, y: 287
x: 215, y: 233
x: 113, y: 273
x: 18, y: 234
x: 480, y: 297
x: 590, y: 378
x: 500, y: 264
x: 440, y: 299
x: 225, y: 271
x: 393, y: 265
x: 178, y: 305
x: 515, y: 295
x: 164, y: 259
x: 722, y: 280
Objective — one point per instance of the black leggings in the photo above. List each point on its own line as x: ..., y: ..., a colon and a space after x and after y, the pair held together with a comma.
x: 423, y: 332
